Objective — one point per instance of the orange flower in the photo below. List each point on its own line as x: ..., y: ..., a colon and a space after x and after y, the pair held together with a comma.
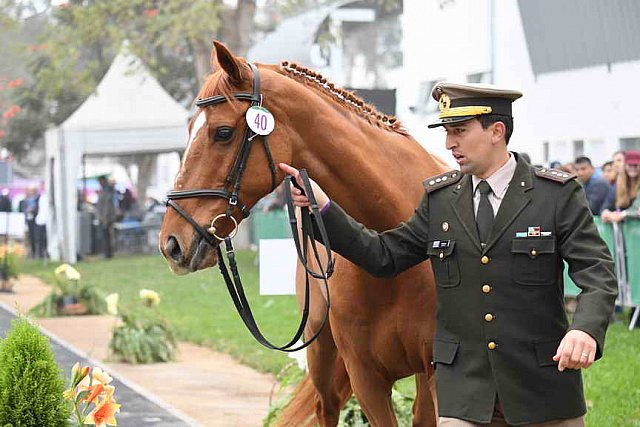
x: 103, y: 414
x: 94, y: 392
x: 151, y: 12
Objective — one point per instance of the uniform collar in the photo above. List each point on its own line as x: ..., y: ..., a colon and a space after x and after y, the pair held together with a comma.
x: 499, y: 180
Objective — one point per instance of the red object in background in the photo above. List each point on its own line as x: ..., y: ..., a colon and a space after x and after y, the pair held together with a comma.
x: 2, y: 133
x: 11, y: 112
x: 151, y: 12
x: 15, y: 83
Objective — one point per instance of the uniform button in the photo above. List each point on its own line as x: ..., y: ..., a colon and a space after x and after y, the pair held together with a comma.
x: 492, y: 345
x: 534, y: 252
x: 486, y: 289
x: 484, y: 260
x: 488, y: 317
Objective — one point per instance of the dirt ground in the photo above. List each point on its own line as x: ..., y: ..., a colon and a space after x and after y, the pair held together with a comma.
x: 211, y: 388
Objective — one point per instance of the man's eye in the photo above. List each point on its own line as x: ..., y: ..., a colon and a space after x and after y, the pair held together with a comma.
x: 223, y: 133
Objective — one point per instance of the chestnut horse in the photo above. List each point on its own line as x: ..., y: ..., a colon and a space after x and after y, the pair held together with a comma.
x: 379, y: 330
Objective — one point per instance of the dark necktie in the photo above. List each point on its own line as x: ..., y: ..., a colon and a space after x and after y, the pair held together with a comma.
x: 484, y: 219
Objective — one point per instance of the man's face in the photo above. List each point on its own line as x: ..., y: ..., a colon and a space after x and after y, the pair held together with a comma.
x: 470, y: 146
x: 584, y: 171
x: 609, y: 173
x: 618, y: 162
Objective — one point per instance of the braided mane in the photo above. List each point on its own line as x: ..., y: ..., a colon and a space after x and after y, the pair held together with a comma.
x: 342, y: 97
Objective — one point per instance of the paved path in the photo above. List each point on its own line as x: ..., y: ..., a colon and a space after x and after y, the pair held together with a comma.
x: 204, y: 387
x: 137, y: 410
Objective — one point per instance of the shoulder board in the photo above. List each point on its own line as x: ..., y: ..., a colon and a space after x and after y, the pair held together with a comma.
x: 442, y: 180
x: 554, y: 174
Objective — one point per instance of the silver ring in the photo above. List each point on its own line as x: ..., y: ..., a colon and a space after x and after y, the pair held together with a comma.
x: 212, y: 229
x: 585, y: 355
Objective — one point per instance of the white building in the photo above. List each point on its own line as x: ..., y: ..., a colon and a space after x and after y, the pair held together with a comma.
x: 576, y: 61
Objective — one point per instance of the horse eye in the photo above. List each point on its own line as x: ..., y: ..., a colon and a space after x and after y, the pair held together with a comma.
x: 223, y: 133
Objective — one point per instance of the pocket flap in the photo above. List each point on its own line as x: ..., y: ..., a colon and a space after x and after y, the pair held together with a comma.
x: 438, y: 247
x: 545, y: 350
x: 525, y: 245
x: 445, y: 351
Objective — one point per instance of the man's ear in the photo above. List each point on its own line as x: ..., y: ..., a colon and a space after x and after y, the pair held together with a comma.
x: 499, y: 131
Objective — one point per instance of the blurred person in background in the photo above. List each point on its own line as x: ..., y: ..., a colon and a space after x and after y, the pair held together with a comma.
x: 609, y: 173
x: 29, y: 206
x: 107, y: 210
x: 618, y: 161
x: 596, y: 189
x: 41, y: 220
x: 5, y: 201
x: 569, y: 168
x: 625, y: 200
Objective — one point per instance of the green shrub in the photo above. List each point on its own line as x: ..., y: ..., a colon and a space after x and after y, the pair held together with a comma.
x: 31, y: 385
x: 144, y: 337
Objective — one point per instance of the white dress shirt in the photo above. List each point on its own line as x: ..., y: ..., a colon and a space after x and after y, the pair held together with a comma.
x: 498, y: 181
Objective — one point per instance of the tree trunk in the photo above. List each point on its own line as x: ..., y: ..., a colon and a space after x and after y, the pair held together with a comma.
x: 238, y: 27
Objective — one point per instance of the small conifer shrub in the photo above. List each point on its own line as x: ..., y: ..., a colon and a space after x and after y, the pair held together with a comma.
x: 31, y: 384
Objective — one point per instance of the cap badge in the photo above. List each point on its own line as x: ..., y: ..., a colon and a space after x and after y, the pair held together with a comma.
x: 444, y: 103
x: 445, y: 226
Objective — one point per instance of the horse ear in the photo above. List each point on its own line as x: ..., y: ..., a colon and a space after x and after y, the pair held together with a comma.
x: 228, y: 62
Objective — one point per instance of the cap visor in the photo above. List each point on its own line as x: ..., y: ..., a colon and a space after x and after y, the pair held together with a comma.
x: 451, y: 121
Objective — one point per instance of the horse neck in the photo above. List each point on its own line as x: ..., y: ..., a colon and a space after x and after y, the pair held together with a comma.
x: 373, y: 173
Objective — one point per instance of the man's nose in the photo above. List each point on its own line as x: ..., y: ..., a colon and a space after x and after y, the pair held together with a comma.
x: 450, y: 143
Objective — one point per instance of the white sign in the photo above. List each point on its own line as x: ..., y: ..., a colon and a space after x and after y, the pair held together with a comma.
x: 260, y: 120
x: 13, y: 224
x: 278, y: 259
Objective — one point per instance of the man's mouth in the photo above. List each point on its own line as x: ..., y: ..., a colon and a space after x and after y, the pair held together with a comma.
x: 459, y: 158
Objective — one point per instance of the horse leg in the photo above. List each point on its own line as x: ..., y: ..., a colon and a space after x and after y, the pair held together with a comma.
x: 374, y: 394
x: 321, y: 358
x: 425, y: 413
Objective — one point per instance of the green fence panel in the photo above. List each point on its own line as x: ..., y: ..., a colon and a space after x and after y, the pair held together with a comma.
x: 606, y: 232
x: 270, y: 225
x: 631, y: 230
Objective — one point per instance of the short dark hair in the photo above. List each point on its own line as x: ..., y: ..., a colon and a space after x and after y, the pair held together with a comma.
x: 583, y: 159
x: 487, y: 120
x: 609, y: 163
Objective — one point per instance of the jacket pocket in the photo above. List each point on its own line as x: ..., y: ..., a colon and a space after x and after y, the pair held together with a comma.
x: 444, y: 263
x: 534, y: 260
x: 545, y: 350
x: 445, y: 351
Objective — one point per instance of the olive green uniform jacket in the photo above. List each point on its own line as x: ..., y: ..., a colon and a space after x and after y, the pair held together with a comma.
x: 500, y: 314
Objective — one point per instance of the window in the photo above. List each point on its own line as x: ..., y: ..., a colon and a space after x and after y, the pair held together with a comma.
x: 630, y: 144
x: 578, y: 148
x: 484, y: 77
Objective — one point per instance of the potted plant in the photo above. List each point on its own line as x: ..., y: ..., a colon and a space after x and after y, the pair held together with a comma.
x: 70, y: 296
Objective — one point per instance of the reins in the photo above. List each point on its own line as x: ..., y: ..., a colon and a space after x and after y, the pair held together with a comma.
x: 231, y: 192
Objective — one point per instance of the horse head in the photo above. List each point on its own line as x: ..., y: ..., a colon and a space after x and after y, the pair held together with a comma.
x: 222, y: 174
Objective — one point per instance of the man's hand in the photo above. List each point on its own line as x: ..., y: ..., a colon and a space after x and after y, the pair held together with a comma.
x: 298, y: 198
x: 576, y: 350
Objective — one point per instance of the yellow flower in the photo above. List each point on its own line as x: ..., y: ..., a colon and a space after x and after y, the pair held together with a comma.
x: 112, y: 303
x: 104, y: 413
x: 68, y: 394
x: 150, y: 297
x: 65, y: 271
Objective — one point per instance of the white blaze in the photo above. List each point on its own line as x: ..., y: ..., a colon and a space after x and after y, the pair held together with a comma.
x: 201, y: 120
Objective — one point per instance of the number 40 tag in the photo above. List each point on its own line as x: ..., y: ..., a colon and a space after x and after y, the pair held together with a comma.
x: 260, y: 120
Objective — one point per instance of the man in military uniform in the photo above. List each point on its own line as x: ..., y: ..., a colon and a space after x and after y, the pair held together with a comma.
x: 496, y: 232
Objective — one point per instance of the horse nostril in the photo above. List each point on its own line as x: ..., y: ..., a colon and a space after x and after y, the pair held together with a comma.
x: 172, y: 248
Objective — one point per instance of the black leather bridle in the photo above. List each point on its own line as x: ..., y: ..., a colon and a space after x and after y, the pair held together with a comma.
x: 231, y: 191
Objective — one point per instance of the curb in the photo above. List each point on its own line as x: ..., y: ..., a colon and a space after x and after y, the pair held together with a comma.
x: 133, y: 386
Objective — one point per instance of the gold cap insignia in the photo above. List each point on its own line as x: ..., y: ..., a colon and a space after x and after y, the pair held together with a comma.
x: 444, y: 103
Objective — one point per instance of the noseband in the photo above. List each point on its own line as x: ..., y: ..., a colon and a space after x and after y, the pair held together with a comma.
x: 311, y: 221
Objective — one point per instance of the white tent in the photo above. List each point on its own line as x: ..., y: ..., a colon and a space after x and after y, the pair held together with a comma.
x: 128, y: 113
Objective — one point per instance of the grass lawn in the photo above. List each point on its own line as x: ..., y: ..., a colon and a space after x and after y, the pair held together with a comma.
x: 200, y: 308
x: 197, y: 305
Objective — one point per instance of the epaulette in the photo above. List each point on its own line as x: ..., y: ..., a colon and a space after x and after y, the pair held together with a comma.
x: 554, y: 175
x: 442, y: 180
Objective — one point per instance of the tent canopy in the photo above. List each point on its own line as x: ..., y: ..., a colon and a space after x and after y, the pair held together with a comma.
x: 129, y: 112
